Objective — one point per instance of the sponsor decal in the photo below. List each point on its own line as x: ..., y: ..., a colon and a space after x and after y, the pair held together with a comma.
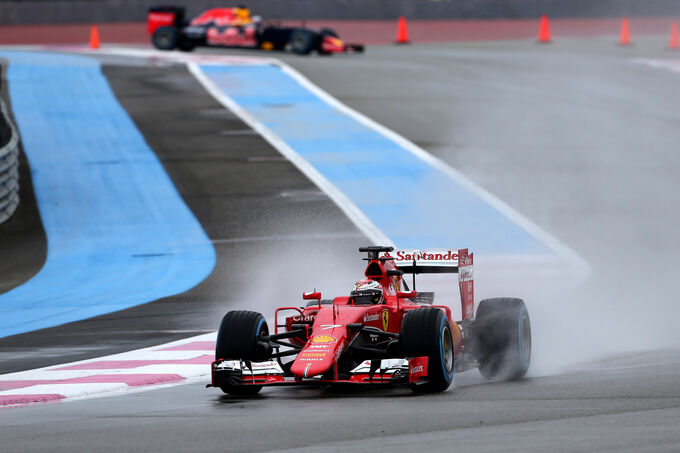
x: 313, y: 354
x: 318, y: 346
x: 337, y: 354
x: 417, y: 369
x: 373, y: 317
x: 305, y: 318
x: 440, y: 257
x: 322, y: 339
x: 465, y: 274
x: 385, y: 319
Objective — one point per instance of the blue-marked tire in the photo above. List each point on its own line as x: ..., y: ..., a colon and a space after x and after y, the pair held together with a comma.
x: 502, y: 338
x: 237, y: 339
x: 426, y: 332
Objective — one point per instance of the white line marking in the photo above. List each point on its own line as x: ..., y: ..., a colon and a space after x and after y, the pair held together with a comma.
x: 346, y: 205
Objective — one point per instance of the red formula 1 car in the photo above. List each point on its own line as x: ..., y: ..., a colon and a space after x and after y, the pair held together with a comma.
x: 381, y: 333
x: 234, y: 27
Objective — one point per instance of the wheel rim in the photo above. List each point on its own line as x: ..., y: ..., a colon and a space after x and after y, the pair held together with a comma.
x: 299, y: 41
x: 164, y: 39
x: 447, y: 349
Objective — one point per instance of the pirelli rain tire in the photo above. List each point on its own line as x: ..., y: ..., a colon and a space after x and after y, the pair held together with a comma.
x: 313, y: 303
x: 302, y: 41
x: 502, y: 338
x: 165, y: 38
x: 426, y: 332
x: 237, y: 339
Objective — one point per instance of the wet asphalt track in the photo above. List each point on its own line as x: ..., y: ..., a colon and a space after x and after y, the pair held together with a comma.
x: 573, y: 135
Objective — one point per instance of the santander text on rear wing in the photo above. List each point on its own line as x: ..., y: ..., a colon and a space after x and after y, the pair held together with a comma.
x: 440, y: 261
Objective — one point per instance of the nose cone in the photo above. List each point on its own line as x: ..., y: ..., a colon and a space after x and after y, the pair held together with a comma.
x: 317, y: 357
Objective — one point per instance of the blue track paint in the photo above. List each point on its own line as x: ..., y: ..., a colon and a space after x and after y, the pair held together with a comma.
x: 118, y: 233
x: 414, y: 204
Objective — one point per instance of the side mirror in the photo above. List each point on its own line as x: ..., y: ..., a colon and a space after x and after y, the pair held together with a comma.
x: 312, y: 296
x: 406, y: 294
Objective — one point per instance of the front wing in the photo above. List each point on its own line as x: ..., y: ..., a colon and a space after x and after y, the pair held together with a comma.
x: 270, y: 373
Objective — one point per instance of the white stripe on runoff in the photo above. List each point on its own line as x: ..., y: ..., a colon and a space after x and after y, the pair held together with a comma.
x: 165, y: 365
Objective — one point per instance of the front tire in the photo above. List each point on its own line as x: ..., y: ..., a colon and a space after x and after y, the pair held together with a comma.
x: 302, y: 42
x: 427, y: 332
x: 502, y: 338
x: 165, y: 38
x: 238, y: 339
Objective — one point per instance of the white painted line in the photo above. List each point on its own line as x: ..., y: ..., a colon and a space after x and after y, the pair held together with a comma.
x: 346, y: 205
x: 138, y: 370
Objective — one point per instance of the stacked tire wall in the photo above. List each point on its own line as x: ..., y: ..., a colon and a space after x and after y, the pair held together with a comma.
x: 88, y: 11
x: 9, y: 165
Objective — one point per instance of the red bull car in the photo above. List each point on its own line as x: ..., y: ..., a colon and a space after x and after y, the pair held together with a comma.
x: 381, y: 333
x: 234, y: 27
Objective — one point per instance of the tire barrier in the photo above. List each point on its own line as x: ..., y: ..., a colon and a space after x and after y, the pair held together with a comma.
x: 9, y: 165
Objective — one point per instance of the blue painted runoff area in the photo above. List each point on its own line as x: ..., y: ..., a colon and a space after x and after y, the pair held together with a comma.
x: 414, y: 204
x: 118, y: 233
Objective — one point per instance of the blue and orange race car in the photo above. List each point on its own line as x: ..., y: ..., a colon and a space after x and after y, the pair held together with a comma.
x: 382, y: 333
x: 235, y: 27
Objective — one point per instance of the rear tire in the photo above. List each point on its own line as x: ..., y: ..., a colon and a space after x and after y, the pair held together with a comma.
x: 302, y: 41
x: 165, y: 38
x: 426, y: 332
x: 237, y: 339
x: 502, y: 338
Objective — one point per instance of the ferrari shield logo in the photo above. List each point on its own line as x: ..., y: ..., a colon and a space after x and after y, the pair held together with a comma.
x: 385, y: 319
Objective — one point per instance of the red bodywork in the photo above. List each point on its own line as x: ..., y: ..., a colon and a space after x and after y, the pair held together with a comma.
x: 327, y: 334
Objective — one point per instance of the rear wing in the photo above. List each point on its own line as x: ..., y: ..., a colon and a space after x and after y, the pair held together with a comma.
x: 440, y: 262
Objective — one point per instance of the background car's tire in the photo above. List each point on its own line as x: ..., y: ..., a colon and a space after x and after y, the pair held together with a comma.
x: 302, y: 41
x: 313, y: 303
x: 165, y: 38
x: 502, y: 338
x: 426, y: 332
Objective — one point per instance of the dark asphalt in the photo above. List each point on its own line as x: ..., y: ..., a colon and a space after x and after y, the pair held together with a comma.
x: 574, y: 135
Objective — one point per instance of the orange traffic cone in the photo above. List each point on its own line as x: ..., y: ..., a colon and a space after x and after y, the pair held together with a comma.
x: 94, y: 37
x: 624, y: 38
x: 402, y: 33
x: 544, y: 30
x: 674, y: 42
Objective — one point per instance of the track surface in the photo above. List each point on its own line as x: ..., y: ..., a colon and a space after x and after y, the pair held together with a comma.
x: 617, y: 406
x: 581, y: 141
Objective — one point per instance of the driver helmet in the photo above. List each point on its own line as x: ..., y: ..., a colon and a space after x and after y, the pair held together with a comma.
x: 367, y: 292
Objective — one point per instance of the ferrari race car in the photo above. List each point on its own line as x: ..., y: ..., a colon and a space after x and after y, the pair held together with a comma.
x: 382, y: 333
x: 234, y: 27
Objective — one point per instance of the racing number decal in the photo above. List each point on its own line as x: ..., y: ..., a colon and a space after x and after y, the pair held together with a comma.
x: 385, y: 319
